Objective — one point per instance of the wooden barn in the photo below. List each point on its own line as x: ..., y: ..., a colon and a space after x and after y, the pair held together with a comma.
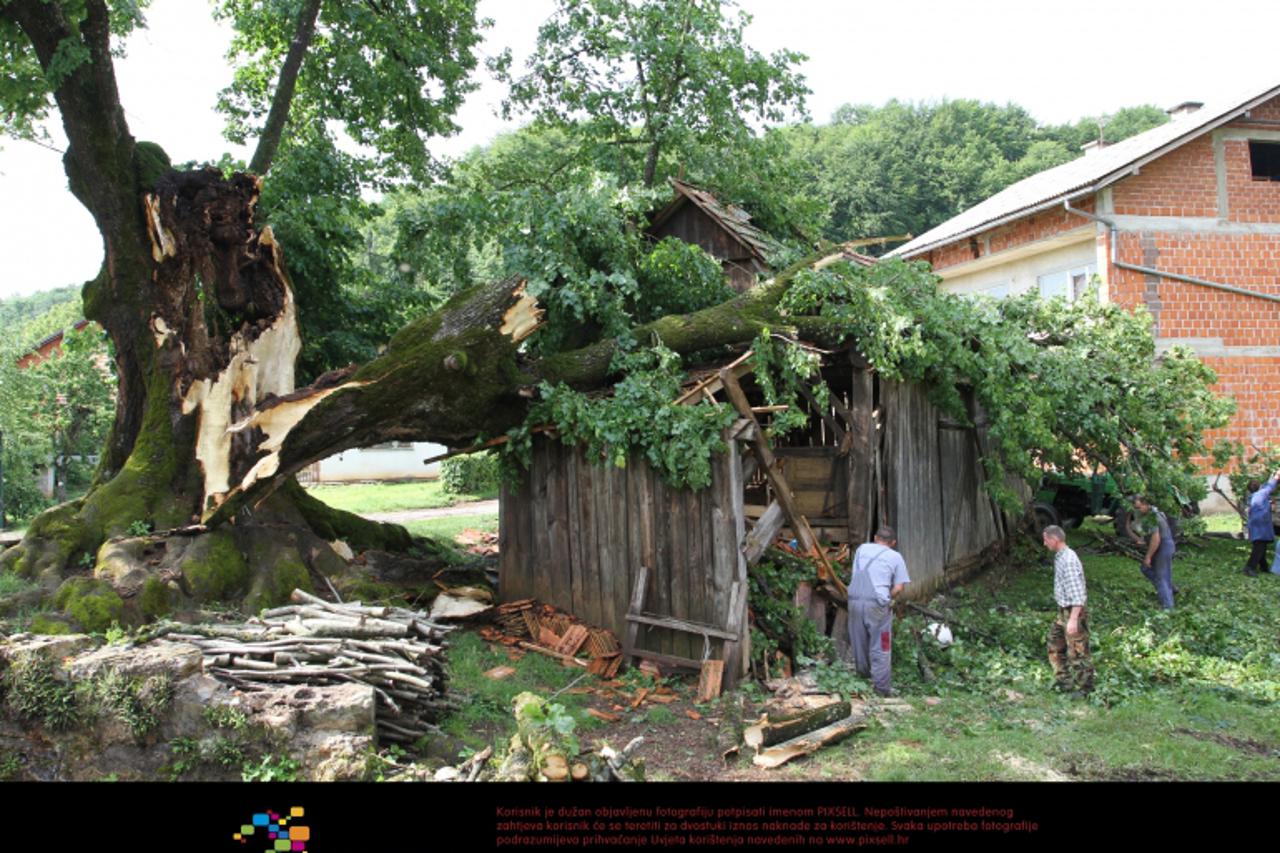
x: 721, y: 230
x: 667, y: 569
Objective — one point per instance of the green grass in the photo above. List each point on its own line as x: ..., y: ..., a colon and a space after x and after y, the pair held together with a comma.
x: 11, y: 584
x: 1227, y: 522
x: 1183, y: 695
x: 389, y: 497
x: 450, y: 526
x: 486, y: 715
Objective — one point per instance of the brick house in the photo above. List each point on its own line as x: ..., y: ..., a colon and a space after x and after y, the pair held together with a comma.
x: 1183, y: 219
x: 48, y: 348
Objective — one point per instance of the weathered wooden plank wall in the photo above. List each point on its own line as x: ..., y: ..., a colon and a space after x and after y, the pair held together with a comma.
x: 574, y: 534
x: 932, y: 491
x: 913, y: 481
x: 970, y: 523
x: 861, y: 464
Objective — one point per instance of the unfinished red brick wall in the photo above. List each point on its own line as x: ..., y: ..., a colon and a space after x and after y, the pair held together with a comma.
x: 1254, y: 383
x: 952, y: 254
x: 1040, y: 226
x: 1181, y: 183
x: 1184, y: 310
x: 1269, y: 111
x: 1248, y: 199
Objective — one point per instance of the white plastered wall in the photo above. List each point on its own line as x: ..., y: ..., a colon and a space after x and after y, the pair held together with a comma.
x: 1019, y: 268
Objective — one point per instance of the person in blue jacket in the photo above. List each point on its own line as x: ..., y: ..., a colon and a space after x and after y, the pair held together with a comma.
x: 1261, y: 531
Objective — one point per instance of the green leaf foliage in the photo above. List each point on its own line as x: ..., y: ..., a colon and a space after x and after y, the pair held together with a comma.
x: 473, y: 474
x: 676, y: 277
x: 390, y: 74
x: 54, y: 414
x: 676, y: 441
x: 1067, y: 385
x: 638, y: 79
x: 26, y: 87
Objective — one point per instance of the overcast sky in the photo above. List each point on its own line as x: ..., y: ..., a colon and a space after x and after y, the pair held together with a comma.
x: 1061, y: 61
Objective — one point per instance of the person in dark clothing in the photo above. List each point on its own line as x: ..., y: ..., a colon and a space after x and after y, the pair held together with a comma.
x: 1157, y: 565
x: 1261, y: 530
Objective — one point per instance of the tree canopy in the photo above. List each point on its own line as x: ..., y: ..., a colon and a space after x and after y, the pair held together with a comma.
x: 653, y: 76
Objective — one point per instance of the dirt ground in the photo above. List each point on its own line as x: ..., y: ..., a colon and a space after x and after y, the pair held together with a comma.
x: 687, y: 742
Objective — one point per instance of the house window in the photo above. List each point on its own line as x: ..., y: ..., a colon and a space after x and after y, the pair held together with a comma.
x: 1264, y: 160
x: 994, y: 291
x: 1069, y: 284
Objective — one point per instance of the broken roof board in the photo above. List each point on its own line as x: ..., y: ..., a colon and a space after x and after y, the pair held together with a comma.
x: 731, y: 218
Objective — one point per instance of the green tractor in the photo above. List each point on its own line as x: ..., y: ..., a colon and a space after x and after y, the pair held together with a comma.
x: 1068, y: 500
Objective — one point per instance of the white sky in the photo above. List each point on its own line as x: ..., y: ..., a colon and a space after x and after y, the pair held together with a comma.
x: 1059, y: 60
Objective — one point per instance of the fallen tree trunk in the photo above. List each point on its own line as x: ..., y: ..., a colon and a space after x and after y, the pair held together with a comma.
x: 811, y: 742
x: 458, y: 373
x: 769, y: 731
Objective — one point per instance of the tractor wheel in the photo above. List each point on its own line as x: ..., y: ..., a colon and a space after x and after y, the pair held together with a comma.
x: 1043, y: 515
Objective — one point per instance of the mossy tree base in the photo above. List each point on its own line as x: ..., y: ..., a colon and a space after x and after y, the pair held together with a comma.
x: 251, y: 565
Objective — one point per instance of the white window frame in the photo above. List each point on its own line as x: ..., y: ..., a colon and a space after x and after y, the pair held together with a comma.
x: 1075, y: 281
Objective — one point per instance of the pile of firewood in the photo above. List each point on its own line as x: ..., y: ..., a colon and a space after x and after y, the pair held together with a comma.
x: 398, y: 652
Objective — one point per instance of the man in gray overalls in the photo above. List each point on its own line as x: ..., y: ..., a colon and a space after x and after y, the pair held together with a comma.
x: 1157, y: 565
x: 879, y: 574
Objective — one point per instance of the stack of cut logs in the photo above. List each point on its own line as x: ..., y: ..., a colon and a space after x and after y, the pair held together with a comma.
x: 559, y: 635
x: 398, y: 652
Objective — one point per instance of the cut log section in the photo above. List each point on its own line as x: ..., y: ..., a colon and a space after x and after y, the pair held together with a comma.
x: 809, y: 743
x: 774, y: 730
x: 709, y: 680
x: 555, y: 768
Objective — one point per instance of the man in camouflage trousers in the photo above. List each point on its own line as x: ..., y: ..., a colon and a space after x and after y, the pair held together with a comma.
x: 1069, y: 635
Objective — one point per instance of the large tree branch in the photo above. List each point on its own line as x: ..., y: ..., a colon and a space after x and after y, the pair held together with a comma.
x: 99, y: 156
x: 278, y: 117
x: 458, y: 373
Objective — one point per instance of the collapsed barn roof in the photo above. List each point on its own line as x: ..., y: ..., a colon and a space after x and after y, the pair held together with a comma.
x: 731, y: 218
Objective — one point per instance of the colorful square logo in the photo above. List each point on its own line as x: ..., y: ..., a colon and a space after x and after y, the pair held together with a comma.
x: 282, y: 835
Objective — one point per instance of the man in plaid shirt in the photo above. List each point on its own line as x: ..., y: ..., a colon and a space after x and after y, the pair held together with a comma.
x: 1069, y: 635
